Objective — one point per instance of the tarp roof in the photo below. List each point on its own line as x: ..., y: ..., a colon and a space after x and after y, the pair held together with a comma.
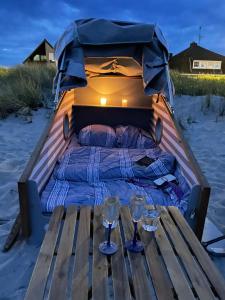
x: 112, y: 40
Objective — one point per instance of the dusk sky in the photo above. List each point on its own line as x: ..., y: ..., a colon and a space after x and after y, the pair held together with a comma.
x: 25, y: 23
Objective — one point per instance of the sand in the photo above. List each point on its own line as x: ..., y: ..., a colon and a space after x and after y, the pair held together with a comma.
x: 204, y: 123
x: 203, y: 128
x: 17, y: 140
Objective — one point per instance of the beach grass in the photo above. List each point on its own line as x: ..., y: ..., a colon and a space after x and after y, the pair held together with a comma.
x: 31, y: 86
x: 25, y: 86
x: 198, y: 84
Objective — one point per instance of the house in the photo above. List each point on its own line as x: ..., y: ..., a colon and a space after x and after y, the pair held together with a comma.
x: 197, y: 59
x: 44, y: 53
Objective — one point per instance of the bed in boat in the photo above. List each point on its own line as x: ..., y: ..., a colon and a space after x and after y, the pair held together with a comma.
x: 119, y: 78
x: 131, y: 164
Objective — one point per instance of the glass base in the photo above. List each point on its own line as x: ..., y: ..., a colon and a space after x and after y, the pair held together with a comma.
x: 106, y: 249
x: 137, y: 247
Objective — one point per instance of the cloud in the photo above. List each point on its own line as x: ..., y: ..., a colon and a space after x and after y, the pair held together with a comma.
x: 24, y: 23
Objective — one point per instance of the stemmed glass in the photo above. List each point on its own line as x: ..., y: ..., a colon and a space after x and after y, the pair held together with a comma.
x: 110, y: 215
x: 137, y: 208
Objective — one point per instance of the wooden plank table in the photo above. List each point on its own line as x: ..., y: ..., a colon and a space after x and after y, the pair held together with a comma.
x: 173, y: 264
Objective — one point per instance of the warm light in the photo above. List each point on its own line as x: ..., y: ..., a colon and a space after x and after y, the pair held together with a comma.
x: 103, y: 101
x: 124, y: 102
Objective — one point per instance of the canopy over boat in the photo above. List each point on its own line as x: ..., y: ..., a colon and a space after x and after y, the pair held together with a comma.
x: 109, y: 46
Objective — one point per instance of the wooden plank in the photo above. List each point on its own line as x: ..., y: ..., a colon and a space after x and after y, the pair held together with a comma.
x: 174, y: 269
x: 81, y: 269
x: 194, y: 272
x: 58, y: 288
x: 119, y: 271
x: 139, y: 277
x: 202, y: 212
x: 203, y: 258
x: 39, y: 277
x: 24, y: 210
x: 14, y: 232
x: 161, y: 283
x: 100, y: 265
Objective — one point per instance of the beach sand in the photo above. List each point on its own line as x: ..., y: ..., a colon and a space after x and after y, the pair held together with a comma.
x: 204, y: 129
x: 204, y: 121
x: 17, y: 141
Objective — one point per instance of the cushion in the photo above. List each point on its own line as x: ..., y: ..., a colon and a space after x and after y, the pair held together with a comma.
x: 97, y: 135
x: 133, y: 137
x: 145, y: 140
x: 126, y: 136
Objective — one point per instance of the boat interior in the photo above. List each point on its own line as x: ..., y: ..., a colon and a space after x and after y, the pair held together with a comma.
x: 116, y: 102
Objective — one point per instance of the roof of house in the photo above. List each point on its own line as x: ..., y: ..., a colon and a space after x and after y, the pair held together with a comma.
x: 197, y: 52
x: 45, y: 41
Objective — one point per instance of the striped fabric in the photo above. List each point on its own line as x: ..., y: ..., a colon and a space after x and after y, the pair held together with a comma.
x: 55, y: 144
x: 171, y: 141
x: 97, y: 135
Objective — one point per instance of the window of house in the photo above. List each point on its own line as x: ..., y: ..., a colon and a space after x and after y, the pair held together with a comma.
x: 195, y: 64
x: 51, y: 56
x: 43, y: 57
x: 36, y: 57
x: 207, y: 64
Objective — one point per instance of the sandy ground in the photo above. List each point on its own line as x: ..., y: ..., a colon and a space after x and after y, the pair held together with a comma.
x: 17, y: 140
x: 203, y: 119
x: 203, y: 127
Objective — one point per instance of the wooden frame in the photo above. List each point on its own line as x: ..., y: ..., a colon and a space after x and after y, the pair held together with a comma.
x: 205, y: 188
x: 23, y: 184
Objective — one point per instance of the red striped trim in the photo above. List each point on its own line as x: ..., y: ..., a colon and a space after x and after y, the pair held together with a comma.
x: 172, y: 143
x: 47, y: 173
x: 189, y: 179
x: 57, y: 131
x: 55, y: 144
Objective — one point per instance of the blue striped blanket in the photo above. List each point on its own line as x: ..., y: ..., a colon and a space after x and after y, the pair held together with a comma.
x: 94, y: 164
x: 86, y: 175
x: 59, y: 192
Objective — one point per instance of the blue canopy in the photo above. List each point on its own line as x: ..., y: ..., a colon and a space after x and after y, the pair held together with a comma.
x: 112, y: 40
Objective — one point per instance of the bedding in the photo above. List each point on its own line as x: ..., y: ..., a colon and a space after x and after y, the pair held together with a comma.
x: 58, y: 192
x: 85, y: 175
x: 97, y: 135
x: 94, y: 164
x: 133, y: 137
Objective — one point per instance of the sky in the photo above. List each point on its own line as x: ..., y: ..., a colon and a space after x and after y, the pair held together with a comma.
x: 25, y: 23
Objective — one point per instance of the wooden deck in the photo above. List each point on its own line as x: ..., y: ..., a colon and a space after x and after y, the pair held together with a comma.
x: 173, y: 264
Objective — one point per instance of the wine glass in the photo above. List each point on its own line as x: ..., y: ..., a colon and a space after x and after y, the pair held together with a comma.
x: 110, y: 215
x: 137, y: 204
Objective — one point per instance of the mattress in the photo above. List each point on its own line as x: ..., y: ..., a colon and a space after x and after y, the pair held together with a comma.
x: 85, y: 175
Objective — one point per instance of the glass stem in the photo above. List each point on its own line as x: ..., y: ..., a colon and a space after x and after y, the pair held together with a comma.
x: 109, y: 234
x: 135, y: 234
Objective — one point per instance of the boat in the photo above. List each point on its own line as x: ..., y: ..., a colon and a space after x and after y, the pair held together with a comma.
x: 109, y: 73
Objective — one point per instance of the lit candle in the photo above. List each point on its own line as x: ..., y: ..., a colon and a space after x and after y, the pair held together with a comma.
x: 103, y: 101
x: 124, y: 102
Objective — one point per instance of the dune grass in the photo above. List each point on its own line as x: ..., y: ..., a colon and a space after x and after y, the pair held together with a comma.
x: 31, y: 85
x: 199, y: 84
x: 25, y: 86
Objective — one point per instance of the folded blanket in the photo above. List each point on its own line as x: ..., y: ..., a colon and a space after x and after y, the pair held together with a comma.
x: 66, y: 193
x: 94, y: 164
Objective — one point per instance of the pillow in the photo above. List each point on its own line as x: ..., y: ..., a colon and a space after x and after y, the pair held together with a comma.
x: 97, y: 135
x: 133, y: 137
x: 145, y: 140
x: 126, y: 136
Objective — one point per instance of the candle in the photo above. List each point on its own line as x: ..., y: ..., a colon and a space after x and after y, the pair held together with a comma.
x: 124, y: 102
x: 103, y: 101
